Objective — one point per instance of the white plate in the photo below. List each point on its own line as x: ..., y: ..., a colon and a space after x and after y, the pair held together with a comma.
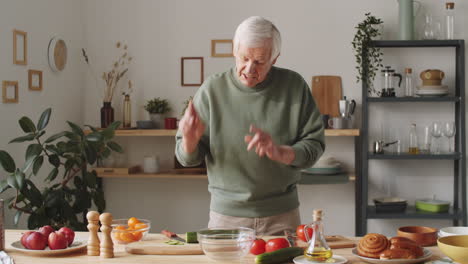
x: 303, y: 260
x: 433, y: 87
x: 431, y: 92
x: 75, y: 246
x: 427, y: 255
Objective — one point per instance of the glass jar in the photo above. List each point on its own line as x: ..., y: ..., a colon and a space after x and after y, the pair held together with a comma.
x: 449, y: 20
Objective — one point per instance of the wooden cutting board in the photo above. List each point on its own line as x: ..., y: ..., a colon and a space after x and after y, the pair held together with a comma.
x: 154, y: 245
x: 327, y: 91
x: 339, y: 242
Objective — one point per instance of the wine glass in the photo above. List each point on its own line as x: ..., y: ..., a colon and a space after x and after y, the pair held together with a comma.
x: 449, y: 132
x: 436, y: 132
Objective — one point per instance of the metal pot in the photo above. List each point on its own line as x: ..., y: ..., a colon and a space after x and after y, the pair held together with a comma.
x: 379, y: 145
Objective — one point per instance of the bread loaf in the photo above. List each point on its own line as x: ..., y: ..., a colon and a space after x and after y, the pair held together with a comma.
x: 397, y: 253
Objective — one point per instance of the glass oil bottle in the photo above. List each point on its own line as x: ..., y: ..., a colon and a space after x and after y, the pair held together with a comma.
x: 318, y: 250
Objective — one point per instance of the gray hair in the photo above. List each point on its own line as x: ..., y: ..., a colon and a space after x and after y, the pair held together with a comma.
x: 254, y: 31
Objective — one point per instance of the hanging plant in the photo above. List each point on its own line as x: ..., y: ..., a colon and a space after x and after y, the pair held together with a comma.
x: 369, y: 62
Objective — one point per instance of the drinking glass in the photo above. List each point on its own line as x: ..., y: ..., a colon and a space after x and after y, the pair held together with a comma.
x: 436, y: 132
x: 427, y: 137
x: 449, y: 132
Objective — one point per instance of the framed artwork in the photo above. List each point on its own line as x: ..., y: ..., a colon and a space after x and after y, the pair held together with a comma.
x: 20, y: 47
x: 35, y: 80
x: 221, y: 48
x: 191, y: 71
x: 10, y: 91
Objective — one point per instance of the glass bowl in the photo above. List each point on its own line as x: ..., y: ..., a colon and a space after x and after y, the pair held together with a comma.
x: 122, y: 233
x: 226, y: 244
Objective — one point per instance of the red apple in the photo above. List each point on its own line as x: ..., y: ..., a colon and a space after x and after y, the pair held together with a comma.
x: 57, y: 241
x: 68, y: 233
x: 23, y: 238
x: 46, y: 230
x: 36, y: 241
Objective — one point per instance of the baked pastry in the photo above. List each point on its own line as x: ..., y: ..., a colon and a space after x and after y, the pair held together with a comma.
x: 411, y: 246
x: 401, y: 239
x: 397, y: 253
x: 372, y: 245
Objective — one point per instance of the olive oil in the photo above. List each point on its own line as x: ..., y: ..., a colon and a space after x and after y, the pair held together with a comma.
x: 319, y: 254
x: 413, y: 150
x: 318, y: 250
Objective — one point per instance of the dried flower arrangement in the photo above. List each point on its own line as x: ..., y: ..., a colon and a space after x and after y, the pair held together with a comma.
x: 117, y: 72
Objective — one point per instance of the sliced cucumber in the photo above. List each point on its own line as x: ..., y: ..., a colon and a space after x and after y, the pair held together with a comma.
x: 191, y: 237
x: 279, y: 256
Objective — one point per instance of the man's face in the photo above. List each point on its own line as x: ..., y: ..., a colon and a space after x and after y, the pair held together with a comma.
x: 253, y: 64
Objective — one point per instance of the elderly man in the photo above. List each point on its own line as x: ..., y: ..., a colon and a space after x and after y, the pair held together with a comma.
x: 256, y: 126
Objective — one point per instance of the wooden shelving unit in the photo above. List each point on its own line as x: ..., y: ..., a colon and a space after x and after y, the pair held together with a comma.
x: 173, y: 174
x: 172, y: 132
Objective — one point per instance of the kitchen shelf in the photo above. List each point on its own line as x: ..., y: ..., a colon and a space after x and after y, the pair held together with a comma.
x: 172, y: 132
x: 417, y: 43
x: 412, y: 213
x: 458, y: 214
x: 412, y: 99
x: 406, y: 156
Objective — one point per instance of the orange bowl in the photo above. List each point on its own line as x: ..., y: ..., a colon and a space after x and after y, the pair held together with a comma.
x: 422, y: 235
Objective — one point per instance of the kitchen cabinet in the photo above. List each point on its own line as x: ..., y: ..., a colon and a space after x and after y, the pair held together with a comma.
x: 178, y: 174
x: 458, y: 211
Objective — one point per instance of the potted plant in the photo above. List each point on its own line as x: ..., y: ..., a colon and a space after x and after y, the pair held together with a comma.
x: 368, y: 57
x: 71, y: 187
x: 186, y: 103
x: 157, y: 108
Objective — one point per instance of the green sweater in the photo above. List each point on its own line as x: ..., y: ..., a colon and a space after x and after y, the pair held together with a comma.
x: 240, y: 182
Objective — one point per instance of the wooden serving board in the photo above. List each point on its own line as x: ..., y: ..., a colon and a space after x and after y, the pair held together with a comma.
x: 154, y: 245
x: 327, y: 92
x: 339, y: 242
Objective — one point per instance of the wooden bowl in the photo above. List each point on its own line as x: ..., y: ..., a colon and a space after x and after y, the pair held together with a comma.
x: 422, y: 235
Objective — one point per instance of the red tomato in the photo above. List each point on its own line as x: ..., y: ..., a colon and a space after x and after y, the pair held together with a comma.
x: 276, y: 243
x: 301, y: 235
x: 258, y: 247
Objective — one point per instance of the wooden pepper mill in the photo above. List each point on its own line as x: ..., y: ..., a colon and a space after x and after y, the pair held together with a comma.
x: 107, y: 246
x: 93, y: 227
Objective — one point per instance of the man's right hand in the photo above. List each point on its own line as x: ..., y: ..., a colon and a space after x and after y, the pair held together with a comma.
x: 192, y: 129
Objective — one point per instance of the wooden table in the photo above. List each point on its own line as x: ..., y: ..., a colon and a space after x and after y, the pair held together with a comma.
x: 121, y: 256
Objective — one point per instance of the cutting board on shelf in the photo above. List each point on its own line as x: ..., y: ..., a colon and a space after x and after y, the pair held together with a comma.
x: 327, y: 93
x: 154, y: 245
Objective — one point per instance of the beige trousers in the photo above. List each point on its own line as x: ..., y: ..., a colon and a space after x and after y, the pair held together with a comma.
x: 264, y: 226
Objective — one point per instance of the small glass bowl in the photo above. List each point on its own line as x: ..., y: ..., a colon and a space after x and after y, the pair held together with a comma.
x: 226, y: 244
x: 123, y: 234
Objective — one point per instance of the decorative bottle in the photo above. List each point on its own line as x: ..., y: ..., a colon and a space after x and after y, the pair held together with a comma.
x: 318, y: 250
x: 127, y: 112
x: 107, y: 114
x: 413, y: 140
x: 409, y: 86
x: 449, y: 20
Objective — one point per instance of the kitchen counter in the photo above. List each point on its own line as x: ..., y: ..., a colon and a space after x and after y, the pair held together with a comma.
x: 121, y: 256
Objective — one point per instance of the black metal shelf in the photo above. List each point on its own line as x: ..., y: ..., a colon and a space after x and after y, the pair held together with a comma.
x: 412, y: 99
x: 412, y: 213
x: 416, y: 43
x: 406, y: 156
x: 458, y: 159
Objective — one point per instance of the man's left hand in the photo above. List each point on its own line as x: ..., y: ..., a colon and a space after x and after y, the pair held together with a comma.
x: 264, y: 145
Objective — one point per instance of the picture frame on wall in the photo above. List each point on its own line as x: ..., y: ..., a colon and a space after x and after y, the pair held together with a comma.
x: 222, y: 48
x: 35, y: 80
x: 191, y: 71
x: 20, y: 47
x: 10, y: 92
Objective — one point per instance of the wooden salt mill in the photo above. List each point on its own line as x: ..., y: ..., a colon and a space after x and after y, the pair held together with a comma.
x: 93, y: 227
x: 107, y: 246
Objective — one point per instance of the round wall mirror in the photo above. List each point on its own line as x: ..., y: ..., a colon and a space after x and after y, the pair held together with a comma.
x: 57, y: 54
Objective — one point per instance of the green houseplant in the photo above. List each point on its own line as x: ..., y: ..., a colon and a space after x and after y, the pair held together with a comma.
x: 71, y: 186
x: 157, y: 107
x: 368, y: 58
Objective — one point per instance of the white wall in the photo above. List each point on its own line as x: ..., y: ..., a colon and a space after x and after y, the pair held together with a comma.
x: 317, y: 39
x: 61, y: 91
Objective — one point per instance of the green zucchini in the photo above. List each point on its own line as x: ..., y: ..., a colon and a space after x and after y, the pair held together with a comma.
x: 191, y: 237
x: 279, y: 256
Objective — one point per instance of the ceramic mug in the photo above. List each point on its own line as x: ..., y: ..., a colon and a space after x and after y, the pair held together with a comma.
x: 337, y: 123
x: 170, y: 123
x: 150, y: 164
